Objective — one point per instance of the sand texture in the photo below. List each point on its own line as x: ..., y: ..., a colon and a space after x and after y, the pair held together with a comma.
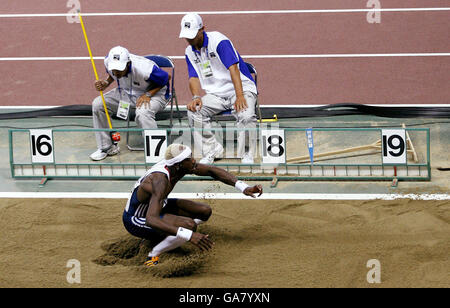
x: 258, y: 243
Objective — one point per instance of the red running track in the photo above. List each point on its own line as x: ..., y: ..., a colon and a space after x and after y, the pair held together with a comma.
x: 367, y: 80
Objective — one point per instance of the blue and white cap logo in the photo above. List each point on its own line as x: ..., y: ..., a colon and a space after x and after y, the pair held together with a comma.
x: 190, y: 24
x: 118, y: 58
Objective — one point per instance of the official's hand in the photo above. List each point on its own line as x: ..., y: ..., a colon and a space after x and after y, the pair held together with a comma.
x: 240, y: 104
x: 101, y: 85
x: 202, y: 241
x: 250, y: 191
x: 142, y: 100
x: 195, y: 104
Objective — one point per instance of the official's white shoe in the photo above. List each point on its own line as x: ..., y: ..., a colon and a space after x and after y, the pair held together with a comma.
x: 216, y: 153
x: 113, y: 150
x: 247, y: 159
x: 101, y: 154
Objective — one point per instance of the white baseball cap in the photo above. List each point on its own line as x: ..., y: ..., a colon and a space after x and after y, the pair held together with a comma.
x: 118, y: 58
x: 190, y: 24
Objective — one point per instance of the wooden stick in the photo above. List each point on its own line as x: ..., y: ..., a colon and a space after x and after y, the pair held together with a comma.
x: 410, y: 144
x: 375, y: 145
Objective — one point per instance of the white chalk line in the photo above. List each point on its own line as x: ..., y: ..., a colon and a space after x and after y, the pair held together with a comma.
x: 366, y: 10
x: 226, y: 196
x: 183, y: 107
x: 295, y: 56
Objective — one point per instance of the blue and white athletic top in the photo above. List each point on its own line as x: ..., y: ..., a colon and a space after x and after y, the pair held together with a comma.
x: 136, y: 208
x: 210, y: 64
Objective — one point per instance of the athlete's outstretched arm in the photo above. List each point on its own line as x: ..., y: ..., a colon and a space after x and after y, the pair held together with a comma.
x: 216, y: 173
x: 227, y: 178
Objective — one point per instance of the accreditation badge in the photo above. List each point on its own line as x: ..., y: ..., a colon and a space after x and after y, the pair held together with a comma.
x: 123, y: 110
x: 206, y: 69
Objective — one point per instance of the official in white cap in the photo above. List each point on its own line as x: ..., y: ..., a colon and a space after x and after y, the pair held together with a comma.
x: 149, y: 212
x: 190, y: 25
x: 216, y: 68
x: 140, y: 84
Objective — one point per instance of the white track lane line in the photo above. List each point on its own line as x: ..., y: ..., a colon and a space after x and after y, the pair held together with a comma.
x: 434, y: 9
x: 183, y: 107
x: 233, y: 196
x: 297, y: 56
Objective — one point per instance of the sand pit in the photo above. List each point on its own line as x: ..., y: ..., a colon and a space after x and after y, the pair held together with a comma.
x: 258, y: 243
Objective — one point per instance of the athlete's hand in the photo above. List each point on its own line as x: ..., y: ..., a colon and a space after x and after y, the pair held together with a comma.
x: 240, y: 104
x: 101, y: 85
x: 195, y: 104
x: 202, y: 241
x: 250, y: 191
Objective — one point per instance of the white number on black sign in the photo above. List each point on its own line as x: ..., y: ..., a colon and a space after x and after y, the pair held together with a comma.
x: 273, y: 147
x: 393, y: 147
x: 41, y: 141
x: 155, y: 145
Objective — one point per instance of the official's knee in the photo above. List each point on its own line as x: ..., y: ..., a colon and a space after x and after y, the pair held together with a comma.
x: 197, y: 118
x: 190, y: 115
x: 97, y: 104
x: 245, y: 117
x: 145, y: 118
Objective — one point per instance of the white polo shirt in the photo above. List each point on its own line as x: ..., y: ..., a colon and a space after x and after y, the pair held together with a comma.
x: 142, y: 76
x: 210, y: 65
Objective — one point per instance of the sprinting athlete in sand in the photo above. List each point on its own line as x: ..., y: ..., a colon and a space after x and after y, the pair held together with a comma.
x: 149, y: 212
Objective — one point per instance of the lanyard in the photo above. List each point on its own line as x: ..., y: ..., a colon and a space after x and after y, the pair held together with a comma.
x: 202, y: 58
x: 130, y: 96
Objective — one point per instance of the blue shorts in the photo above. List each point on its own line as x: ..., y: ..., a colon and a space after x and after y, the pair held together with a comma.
x: 136, y: 225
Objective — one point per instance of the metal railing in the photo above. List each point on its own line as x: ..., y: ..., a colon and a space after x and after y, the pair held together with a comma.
x: 339, y: 154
